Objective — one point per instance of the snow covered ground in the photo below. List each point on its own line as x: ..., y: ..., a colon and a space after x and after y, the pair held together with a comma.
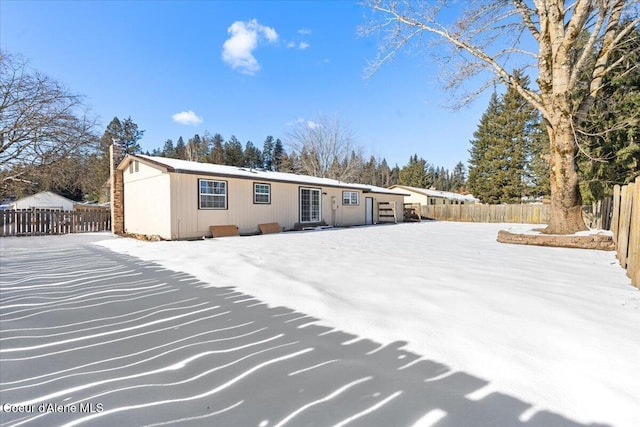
x: 556, y: 328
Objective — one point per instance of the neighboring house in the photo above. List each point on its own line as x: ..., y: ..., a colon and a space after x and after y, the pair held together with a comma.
x: 428, y: 197
x: 179, y: 199
x: 42, y: 200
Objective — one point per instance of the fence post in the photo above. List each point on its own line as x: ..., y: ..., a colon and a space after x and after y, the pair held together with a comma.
x: 633, y: 263
x: 623, y: 226
x: 615, y: 219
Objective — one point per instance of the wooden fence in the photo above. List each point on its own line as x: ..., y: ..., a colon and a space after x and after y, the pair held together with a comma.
x: 625, y: 225
x: 527, y: 214
x: 39, y: 222
x: 599, y: 214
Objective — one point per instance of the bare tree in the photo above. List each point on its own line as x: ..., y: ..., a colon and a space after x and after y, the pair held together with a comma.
x: 326, y: 148
x: 493, y: 35
x: 39, y: 121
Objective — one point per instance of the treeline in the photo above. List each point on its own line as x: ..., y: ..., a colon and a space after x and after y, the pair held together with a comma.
x: 274, y: 157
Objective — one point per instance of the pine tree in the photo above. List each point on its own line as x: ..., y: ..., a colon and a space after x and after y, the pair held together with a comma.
x: 168, y: 150
x: 181, y: 149
x: 130, y: 136
x: 610, y: 143
x: 481, y: 170
x: 252, y: 157
x: 384, y: 174
x: 268, y: 153
x: 216, y: 156
x: 369, y: 172
x: 112, y: 135
x: 233, y: 153
x: 458, y: 178
x: 279, y: 155
x: 537, y: 166
x: 497, y: 167
x: 414, y: 174
x: 395, y: 175
x: 290, y: 163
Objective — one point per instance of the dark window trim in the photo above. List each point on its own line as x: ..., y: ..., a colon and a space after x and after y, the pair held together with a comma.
x: 226, y: 199
x: 254, y: 193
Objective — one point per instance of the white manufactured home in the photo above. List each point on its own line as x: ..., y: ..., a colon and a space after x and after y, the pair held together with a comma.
x: 179, y: 199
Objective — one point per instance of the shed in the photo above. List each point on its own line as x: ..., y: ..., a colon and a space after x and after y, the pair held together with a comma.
x: 427, y: 197
x: 43, y: 200
x: 180, y: 199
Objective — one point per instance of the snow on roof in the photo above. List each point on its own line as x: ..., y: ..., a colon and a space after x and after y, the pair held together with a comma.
x: 177, y: 165
x: 437, y: 193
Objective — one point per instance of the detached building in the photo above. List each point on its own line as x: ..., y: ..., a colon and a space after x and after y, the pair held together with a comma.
x: 179, y: 199
x: 42, y: 200
x: 428, y: 197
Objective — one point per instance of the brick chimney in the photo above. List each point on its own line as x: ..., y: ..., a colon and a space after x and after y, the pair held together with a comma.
x: 117, y: 193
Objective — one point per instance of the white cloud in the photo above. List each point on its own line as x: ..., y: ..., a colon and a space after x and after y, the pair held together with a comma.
x: 291, y: 45
x: 238, y: 49
x: 312, y: 125
x: 187, y: 118
x: 308, y: 123
x: 303, y: 45
x: 304, y: 31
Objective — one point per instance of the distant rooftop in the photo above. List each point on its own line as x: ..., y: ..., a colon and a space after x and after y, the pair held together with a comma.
x: 438, y: 193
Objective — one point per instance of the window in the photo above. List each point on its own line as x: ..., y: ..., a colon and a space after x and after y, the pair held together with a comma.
x: 309, y: 205
x: 350, y: 198
x: 212, y: 194
x: 261, y: 193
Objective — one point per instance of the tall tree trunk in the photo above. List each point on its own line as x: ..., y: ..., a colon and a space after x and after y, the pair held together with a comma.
x: 566, y: 201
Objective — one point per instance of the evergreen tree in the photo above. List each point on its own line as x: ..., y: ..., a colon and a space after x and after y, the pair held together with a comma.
x: 268, y: 152
x: 112, y: 135
x: 610, y: 143
x: 279, y: 155
x: 290, y: 163
x: 537, y: 167
x: 481, y: 169
x: 369, y: 172
x: 441, y: 181
x: 458, y: 178
x: 130, y: 136
x: 168, y: 150
x: 252, y: 157
x: 395, y: 175
x: 216, y: 156
x: 500, y: 148
x: 384, y: 174
x: 414, y: 174
x: 181, y: 149
x: 233, y: 153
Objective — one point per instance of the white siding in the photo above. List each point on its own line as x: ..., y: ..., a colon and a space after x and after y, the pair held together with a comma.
x: 168, y: 204
x: 147, y: 204
x: 43, y: 200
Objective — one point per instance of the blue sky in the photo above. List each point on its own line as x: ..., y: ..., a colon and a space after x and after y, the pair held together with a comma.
x: 249, y: 69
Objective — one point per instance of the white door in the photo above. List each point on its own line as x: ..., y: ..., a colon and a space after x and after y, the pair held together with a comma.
x: 310, y: 205
x: 368, y: 210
